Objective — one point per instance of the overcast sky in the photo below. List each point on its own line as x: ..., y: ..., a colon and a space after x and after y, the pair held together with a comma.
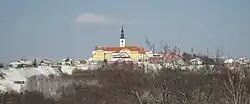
x: 72, y: 28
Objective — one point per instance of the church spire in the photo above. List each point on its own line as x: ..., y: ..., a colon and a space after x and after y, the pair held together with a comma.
x: 122, y: 39
x: 122, y: 29
x: 122, y: 33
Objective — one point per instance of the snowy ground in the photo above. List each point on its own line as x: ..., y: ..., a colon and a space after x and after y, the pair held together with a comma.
x: 10, y: 75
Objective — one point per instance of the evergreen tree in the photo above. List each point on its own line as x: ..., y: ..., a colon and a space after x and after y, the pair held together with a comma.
x: 1, y: 65
x: 35, y: 63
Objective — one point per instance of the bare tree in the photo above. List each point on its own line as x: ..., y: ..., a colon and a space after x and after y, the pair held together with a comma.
x: 192, y: 51
x: 34, y: 63
x: 237, y: 88
x: 221, y: 50
x: 207, y: 52
x: 165, y: 47
x: 217, y: 53
x: 150, y: 45
x: 175, y: 49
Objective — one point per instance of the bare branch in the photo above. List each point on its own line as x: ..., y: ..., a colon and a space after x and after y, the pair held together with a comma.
x: 164, y: 46
x: 150, y: 45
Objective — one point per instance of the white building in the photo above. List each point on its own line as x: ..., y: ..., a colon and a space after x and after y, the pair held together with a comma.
x: 242, y: 61
x: 67, y: 61
x: 20, y: 63
x: 196, y: 61
x: 120, y: 56
x: 228, y: 61
x: 47, y: 62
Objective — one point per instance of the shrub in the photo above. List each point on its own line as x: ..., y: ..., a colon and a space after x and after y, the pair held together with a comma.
x: 135, y: 87
x: 24, y: 98
x: 1, y: 65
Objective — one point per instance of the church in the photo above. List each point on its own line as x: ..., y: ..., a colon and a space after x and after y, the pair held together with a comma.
x: 122, y: 52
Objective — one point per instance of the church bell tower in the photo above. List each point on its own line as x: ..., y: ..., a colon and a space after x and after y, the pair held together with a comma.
x: 122, y: 39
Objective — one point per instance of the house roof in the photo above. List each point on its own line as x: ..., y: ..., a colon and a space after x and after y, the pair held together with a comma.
x: 118, y: 49
x: 172, y: 56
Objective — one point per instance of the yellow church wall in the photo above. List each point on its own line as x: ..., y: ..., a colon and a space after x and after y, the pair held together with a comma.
x: 98, y: 55
x: 108, y: 56
x: 134, y: 55
x: 101, y: 55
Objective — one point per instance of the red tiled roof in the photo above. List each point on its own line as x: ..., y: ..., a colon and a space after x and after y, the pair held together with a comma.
x: 170, y: 56
x: 118, y: 49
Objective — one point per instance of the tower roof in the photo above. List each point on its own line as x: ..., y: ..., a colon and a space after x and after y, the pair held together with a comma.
x: 122, y: 30
x: 122, y: 34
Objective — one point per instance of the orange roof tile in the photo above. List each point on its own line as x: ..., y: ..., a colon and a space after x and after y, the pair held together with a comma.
x: 118, y: 49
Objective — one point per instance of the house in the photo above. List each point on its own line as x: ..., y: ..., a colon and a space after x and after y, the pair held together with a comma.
x: 47, y: 62
x: 148, y: 54
x: 155, y: 58
x: 243, y: 62
x: 229, y: 61
x: 168, y: 57
x: 196, y: 61
x: 14, y: 64
x: 124, y: 52
x: 67, y: 61
x: 173, y: 57
x: 20, y: 64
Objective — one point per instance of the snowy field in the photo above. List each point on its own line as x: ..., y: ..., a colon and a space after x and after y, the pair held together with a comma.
x: 12, y: 79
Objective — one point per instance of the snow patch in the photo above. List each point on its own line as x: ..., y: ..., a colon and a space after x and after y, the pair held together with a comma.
x: 67, y: 69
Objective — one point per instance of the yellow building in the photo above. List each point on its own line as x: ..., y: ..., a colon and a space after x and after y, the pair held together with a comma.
x: 132, y: 53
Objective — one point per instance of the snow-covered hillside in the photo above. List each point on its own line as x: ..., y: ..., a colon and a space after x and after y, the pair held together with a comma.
x: 14, y: 79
